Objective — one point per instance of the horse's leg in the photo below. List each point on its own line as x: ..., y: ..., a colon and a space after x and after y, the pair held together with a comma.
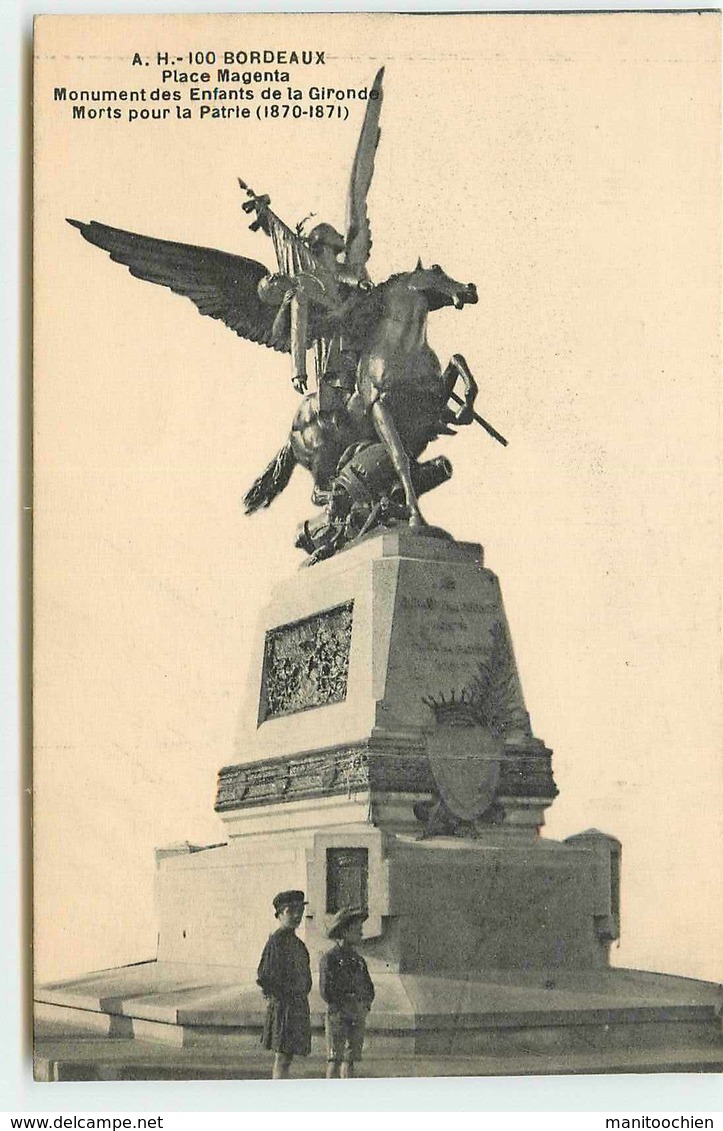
x: 458, y: 367
x: 387, y: 430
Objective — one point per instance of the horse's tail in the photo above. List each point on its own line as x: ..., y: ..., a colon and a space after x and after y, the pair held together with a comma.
x: 272, y: 481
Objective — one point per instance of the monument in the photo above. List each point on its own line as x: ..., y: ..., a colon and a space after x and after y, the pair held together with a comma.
x: 385, y: 757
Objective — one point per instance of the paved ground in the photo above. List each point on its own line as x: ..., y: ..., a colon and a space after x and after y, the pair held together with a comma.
x: 95, y: 1057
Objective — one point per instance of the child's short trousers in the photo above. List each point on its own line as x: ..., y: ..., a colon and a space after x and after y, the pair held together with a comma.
x: 345, y: 1032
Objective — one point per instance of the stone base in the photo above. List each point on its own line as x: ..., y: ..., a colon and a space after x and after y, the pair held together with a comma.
x: 439, y: 906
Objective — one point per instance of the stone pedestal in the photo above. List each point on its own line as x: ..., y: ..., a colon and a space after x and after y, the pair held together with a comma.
x: 385, y: 757
x: 353, y: 648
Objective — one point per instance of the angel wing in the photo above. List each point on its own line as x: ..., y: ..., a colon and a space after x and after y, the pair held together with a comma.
x: 359, y: 237
x: 221, y: 285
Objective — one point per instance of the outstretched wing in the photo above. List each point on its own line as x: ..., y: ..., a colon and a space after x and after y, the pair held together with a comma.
x: 221, y: 285
x: 359, y: 237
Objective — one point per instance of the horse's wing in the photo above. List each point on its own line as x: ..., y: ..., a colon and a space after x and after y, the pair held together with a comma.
x: 359, y: 237
x: 221, y: 285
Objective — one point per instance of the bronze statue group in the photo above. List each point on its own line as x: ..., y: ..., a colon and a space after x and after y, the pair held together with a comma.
x: 381, y: 394
x: 284, y: 975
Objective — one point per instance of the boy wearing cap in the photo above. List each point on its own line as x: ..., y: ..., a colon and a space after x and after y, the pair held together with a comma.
x: 348, y: 991
x: 284, y: 975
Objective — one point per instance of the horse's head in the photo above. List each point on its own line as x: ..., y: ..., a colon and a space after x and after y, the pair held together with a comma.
x: 439, y: 289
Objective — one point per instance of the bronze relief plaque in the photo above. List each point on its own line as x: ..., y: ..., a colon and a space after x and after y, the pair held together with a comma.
x: 306, y: 663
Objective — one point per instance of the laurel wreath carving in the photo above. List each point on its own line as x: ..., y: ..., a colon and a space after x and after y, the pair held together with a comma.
x: 492, y: 699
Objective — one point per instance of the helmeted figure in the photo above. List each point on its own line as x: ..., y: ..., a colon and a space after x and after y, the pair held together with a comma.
x: 313, y: 291
x: 313, y: 304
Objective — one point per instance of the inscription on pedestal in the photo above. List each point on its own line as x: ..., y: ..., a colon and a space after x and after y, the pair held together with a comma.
x: 448, y: 630
x: 444, y: 624
x: 306, y: 663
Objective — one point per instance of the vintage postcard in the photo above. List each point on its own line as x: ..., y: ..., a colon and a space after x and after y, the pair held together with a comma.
x: 377, y: 713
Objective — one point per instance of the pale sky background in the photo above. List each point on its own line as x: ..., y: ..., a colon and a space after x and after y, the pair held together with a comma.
x: 570, y: 166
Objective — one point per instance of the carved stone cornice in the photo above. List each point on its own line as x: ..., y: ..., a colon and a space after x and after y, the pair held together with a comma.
x: 326, y: 773
x: 525, y: 771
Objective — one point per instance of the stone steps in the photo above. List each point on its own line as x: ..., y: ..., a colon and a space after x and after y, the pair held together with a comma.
x: 96, y: 1058
x: 545, y: 1019
x: 642, y: 1032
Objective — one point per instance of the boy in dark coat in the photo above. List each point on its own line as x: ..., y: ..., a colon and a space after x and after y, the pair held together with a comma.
x: 284, y: 975
x: 348, y: 991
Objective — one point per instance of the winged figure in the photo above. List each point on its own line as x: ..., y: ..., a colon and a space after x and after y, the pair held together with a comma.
x: 311, y: 277
x: 377, y: 380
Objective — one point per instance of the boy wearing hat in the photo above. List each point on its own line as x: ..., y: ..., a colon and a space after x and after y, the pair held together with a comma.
x: 284, y: 975
x: 348, y: 991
